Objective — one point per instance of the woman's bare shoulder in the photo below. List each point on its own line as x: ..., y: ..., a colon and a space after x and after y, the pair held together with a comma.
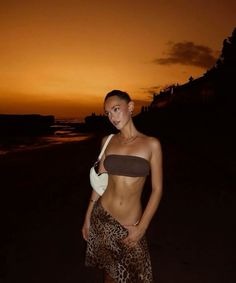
x: 104, y: 139
x: 153, y: 142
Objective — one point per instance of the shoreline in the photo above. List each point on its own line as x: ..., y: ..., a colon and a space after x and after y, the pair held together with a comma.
x: 42, y: 142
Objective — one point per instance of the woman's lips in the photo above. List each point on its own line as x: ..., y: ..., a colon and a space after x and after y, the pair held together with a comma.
x: 115, y: 123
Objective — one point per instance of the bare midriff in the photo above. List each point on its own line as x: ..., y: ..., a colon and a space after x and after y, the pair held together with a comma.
x: 122, y: 198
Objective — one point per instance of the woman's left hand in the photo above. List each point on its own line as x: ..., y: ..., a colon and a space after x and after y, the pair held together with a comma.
x: 134, y: 236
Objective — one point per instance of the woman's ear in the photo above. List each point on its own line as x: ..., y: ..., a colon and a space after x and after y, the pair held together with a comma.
x: 131, y: 107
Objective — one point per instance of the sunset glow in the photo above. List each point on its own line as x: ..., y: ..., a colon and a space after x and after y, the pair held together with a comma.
x: 62, y: 57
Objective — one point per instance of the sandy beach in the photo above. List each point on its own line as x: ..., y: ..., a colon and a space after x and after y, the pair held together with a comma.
x: 44, y: 195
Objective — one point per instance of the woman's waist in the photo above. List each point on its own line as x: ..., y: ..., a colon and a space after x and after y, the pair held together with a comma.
x: 126, y: 211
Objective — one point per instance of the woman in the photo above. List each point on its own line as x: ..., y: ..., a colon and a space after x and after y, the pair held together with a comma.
x: 115, y: 223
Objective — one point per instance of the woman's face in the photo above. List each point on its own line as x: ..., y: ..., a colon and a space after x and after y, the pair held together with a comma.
x: 118, y: 111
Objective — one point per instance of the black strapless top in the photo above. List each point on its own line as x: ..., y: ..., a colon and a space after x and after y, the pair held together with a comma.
x: 126, y: 165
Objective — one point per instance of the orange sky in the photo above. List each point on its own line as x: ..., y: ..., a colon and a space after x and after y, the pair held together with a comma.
x: 62, y: 57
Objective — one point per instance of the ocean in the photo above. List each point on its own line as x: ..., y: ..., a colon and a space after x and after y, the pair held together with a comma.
x: 63, y: 131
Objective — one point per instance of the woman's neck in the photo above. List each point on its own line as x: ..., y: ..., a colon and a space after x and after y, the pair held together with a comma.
x: 128, y: 134
x: 128, y: 131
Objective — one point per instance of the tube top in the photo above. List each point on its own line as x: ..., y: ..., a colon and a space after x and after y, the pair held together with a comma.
x: 126, y: 165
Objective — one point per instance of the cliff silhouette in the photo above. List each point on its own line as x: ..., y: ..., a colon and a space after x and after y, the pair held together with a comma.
x: 201, y: 106
x: 198, y: 106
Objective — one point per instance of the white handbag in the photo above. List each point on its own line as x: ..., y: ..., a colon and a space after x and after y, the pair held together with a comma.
x: 99, y: 181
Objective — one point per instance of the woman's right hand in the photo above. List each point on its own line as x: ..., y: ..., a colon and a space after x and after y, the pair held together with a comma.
x: 85, y: 228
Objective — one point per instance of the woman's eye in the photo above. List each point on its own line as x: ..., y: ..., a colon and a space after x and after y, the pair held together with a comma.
x: 116, y: 109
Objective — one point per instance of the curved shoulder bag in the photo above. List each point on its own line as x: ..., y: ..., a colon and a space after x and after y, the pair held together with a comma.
x: 99, y: 181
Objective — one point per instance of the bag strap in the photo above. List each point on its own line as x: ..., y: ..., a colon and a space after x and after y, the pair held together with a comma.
x: 105, y: 146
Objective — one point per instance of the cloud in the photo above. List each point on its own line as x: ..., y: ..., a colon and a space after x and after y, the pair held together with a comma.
x: 188, y: 53
x: 151, y: 90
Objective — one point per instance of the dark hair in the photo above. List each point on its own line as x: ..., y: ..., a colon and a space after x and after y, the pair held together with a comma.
x: 121, y: 94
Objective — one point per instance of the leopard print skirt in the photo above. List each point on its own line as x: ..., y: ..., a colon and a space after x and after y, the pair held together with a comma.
x: 106, y: 250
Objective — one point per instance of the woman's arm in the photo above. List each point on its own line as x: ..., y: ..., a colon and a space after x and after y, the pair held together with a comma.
x: 94, y: 197
x: 85, y: 229
x: 157, y: 184
x: 136, y: 232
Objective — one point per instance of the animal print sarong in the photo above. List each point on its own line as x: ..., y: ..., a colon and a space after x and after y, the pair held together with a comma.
x: 106, y: 250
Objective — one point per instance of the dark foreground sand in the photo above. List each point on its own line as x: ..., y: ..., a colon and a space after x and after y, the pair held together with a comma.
x: 44, y: 194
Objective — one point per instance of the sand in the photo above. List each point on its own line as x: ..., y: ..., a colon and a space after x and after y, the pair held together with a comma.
x: 44, y: 194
